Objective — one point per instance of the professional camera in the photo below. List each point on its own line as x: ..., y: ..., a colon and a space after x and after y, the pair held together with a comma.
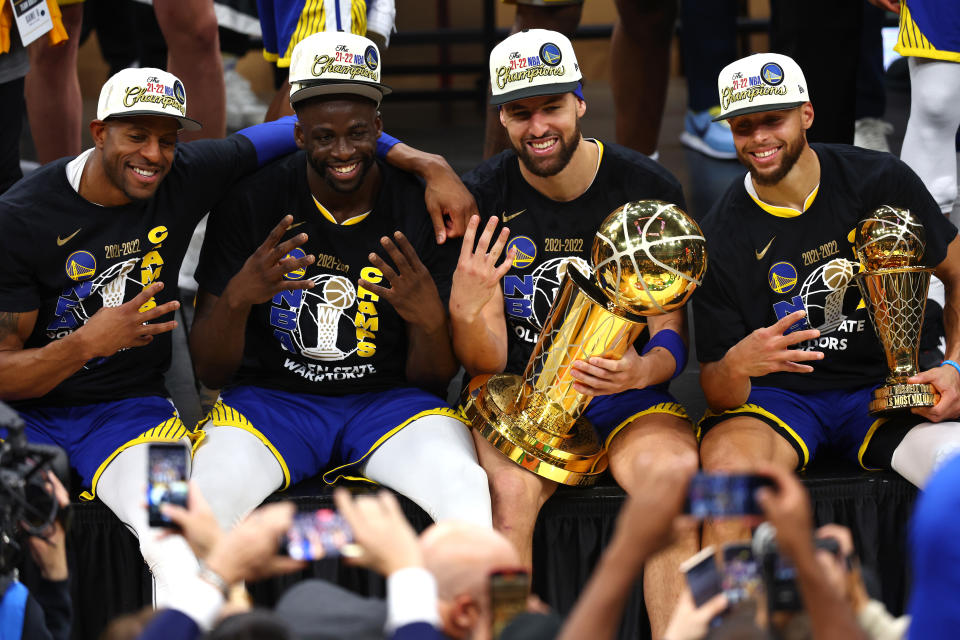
x: 26, y: 504
x: 779, y: 574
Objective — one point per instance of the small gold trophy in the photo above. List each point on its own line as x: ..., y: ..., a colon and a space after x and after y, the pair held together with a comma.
x: 648, y: 257
x: 890, y: 243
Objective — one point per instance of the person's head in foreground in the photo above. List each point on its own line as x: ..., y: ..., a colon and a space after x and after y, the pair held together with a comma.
x: 461, y: 557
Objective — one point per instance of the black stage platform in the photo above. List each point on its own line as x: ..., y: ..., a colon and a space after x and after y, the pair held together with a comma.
x: 110, y: 578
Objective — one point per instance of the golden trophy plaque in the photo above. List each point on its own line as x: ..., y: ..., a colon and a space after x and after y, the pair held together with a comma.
x: 890, y: 243
x: 648, y: 257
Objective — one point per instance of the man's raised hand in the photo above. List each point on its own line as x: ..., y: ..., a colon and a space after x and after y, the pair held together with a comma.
x: 478, y: 276
x: 262, y: 275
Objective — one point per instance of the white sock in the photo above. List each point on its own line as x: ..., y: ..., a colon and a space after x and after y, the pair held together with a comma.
x: 235, y: 472
x: 123, y: 488
x: 433, y: 462
x: 925, y: 447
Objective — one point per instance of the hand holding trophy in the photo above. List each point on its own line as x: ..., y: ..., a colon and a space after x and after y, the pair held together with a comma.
x: 890, y: 243
x: 648, y: 257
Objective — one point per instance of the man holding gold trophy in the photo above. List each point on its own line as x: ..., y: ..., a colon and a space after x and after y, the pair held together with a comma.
x: 818, y: 243
x: 587, y: 395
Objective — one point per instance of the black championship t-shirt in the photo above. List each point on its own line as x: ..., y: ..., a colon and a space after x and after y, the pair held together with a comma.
x: 68, y: 257
x: 336, y: 338
x: 547, y: 233
x: 763, y: 266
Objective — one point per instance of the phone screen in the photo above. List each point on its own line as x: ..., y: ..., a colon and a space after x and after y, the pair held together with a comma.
x: 508, y: 596
x: 319, y: 534
x: 702, y: 575
x: 166, y: 480
x: 722, y: 495
x: 741, y: 573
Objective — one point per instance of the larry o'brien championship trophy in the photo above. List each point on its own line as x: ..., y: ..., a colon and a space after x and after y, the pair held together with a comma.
x: 648, y: 257
x: 890, y: 243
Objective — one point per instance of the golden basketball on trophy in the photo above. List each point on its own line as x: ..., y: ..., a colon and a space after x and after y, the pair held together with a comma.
x: 648, y: 257
x: 890, y: 243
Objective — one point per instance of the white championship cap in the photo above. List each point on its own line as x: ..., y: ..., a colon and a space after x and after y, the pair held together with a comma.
x: 331, y: 62
x: 761, y: 82
x: 534, y: 62
x: 145, y: 92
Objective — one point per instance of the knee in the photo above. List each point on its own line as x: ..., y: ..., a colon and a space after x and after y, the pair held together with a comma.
x: 937, y: 104
x: 720, y: 455
x: 513, y: 489
x: 188, y: 30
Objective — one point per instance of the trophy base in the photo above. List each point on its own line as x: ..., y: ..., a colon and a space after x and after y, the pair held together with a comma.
x: 576, y: 459
x: 895, y: 397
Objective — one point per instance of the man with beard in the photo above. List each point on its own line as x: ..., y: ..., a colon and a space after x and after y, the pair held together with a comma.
x: 553, y: 190
x: 319, y: 342
x: 788, y: 356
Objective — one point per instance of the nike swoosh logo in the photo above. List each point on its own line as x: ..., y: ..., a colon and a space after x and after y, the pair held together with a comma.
x: 296, y: 224
x: 760, y: 254
x: 63, y: 241
x: 507, y: 218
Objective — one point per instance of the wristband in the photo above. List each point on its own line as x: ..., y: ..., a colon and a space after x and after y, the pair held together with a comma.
x: 952, y: 364
x: 272, y: 139
x: 384, y: 143
x: 672, y: 342
x: 214, y: 579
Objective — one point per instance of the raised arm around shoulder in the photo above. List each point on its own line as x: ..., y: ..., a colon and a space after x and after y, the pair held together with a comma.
x: 449, y: 203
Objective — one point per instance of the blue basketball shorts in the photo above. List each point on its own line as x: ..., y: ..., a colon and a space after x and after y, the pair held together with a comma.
x: 312, y: 433
x: 284, y: 23
x: 610, y: 414
x: 837, y: 419
x: 94, y: 434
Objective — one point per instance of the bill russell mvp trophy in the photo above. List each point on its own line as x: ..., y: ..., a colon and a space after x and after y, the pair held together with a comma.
x: 648, y: 257
x: 890, y: 243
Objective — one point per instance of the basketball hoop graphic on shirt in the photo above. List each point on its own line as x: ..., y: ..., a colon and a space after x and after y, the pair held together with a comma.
x: 111, y: 285
x: 321, y: 314
x: 824, y: 291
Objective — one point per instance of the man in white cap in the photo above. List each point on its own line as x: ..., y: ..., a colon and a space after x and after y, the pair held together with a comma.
x: 90, y: 249
x: 323, y: 344
x: 789, y: 358
x: 553, y: 190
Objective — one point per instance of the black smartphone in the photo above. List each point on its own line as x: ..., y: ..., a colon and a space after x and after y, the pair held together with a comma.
x: 167, y: 465
x: 702, y: 575
x: 319, y: 534
x: 725, y: 495
x: 509, y: 589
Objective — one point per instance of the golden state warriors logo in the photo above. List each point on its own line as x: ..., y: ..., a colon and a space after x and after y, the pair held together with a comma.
x: 782, y: 277
x: 179, y: 93
x: 772, y: 73
x: 81, y: 265
x: 550, y: 54
x: 526, y: 251
x: 371, y: 58
x: 296, y: 274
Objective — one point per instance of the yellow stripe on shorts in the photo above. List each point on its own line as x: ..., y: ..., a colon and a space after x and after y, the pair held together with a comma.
x: 222, y: 415
x: 446, y: 411
x: 912, y: 42
x: 172, y: 430
x: 670, y: 408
